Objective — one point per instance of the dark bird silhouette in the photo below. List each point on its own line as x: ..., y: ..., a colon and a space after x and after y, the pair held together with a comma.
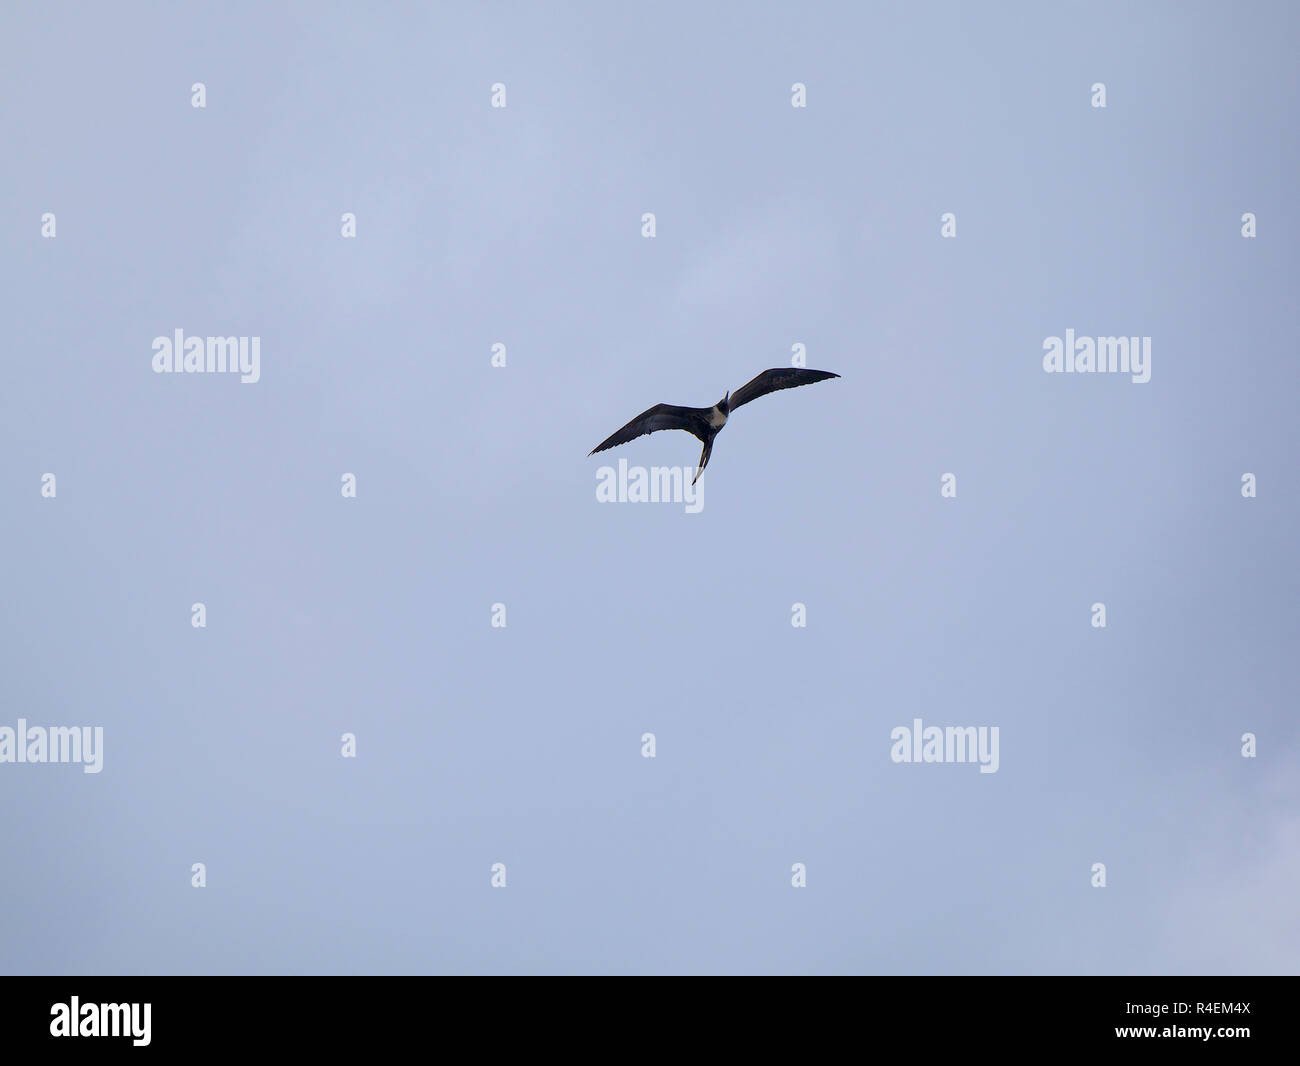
x: 707, y: 422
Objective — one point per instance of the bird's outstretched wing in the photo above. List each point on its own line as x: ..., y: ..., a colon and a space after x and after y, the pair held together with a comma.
x: 787, y: 377
x: 695, y: 420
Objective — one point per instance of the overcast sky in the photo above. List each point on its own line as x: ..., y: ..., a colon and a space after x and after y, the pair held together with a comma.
x: 522, y: 745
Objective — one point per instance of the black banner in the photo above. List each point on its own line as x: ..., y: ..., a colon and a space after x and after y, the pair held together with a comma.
x: 166, y: 1015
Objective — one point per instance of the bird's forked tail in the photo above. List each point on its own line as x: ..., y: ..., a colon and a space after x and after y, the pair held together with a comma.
x: 704, y: 461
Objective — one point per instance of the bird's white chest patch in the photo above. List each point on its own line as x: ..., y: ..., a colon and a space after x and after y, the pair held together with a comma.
x: 717, y: 419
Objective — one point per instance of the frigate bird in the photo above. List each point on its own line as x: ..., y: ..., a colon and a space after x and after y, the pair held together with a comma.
x: 707, y: 422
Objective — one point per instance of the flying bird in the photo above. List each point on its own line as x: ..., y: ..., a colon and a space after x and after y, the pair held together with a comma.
x: 707, y: 422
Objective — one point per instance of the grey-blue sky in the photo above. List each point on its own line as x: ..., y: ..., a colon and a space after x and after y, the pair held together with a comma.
x: 775, y: 225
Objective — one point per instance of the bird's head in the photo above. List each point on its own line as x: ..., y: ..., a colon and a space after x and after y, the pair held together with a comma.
x: 725, y: 403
